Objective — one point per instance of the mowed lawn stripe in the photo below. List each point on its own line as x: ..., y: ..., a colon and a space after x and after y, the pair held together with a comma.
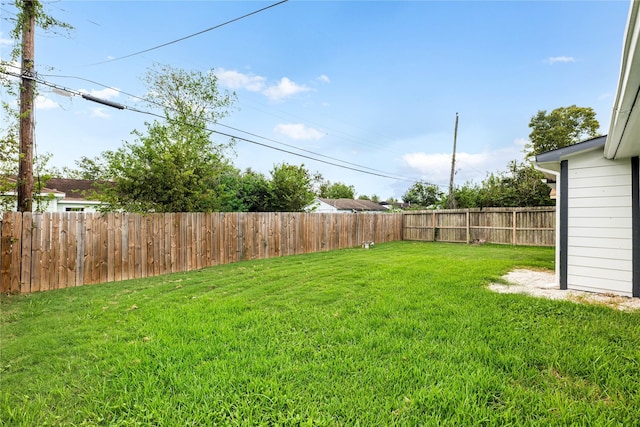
x: 403, y: 333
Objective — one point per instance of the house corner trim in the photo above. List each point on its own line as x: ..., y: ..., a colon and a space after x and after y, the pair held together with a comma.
x: 635, y: 225
x: 564, y: 219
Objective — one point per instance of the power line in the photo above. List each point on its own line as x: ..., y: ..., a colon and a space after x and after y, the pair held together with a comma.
x: 281, y: 149
x: 189, y: 36
x: 356, y: 168
x: 348, y: 137
x: 380, y: 172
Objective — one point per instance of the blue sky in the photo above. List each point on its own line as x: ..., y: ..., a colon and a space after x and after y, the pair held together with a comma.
x: 372, y: 83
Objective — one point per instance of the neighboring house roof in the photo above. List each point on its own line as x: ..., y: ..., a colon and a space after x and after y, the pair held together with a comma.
x: 551, y: 159
x: 74, y: 189
x: 43, y: 190
x: 400, y: 205
x: 625, y: 123
x: 66, y: 195
x: 354, y: 205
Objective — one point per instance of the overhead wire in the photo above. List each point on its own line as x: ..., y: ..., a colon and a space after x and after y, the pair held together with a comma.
x: 189, y: 36
x: 400, y: 177
x: 353, y: 167
x: 236, y: 137
x: 344, y: 135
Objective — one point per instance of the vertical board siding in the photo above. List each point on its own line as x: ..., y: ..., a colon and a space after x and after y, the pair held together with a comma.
x: 43, y: 251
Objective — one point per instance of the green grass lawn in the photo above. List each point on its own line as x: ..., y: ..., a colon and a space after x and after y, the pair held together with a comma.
x: 404, y: 333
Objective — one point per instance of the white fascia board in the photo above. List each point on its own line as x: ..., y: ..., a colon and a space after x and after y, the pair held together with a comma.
x: 549, y: 170
x: 628, y: 88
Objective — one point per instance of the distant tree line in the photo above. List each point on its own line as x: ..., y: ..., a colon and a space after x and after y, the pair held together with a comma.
x: 520, y: 184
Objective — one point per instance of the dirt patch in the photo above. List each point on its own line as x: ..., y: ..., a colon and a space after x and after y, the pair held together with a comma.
x: 542, y: 284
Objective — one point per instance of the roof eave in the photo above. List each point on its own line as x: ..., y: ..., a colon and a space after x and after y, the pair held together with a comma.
x: 625, y: 120
x: 551, y: 159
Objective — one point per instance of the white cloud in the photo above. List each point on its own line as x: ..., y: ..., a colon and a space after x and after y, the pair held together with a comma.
x: 298, y: 131
x: 521, y: 142
x: 436, y: 167
x: 284, y: 89
x: 106, y: 93
x: 100, y: 113
x: 5, y: 42
x: 44, y: 103
x: 605, y: 96
x: 324, y: 79
x: 564, y: 59
x: 236, y: 80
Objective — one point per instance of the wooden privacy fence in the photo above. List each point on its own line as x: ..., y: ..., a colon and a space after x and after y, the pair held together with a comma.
x: 533, y: 226
x: 42, y: 251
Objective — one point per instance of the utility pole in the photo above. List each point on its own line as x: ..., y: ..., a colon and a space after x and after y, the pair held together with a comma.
x: 451, y: 204
x: 27, y: 89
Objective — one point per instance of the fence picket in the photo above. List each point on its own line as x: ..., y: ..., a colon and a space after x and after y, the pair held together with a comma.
x: 46, y: 251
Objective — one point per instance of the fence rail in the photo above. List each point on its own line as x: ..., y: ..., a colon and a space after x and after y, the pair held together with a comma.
x: 515, y: 226
x: 43, y: 251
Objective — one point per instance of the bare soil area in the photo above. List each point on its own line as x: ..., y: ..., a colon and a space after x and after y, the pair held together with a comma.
x: 542, y: 284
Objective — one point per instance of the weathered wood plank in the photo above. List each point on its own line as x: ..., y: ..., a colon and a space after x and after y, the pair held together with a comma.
x: 104, y: 248
x: 110, y: 248
x: 71, y: 249
x: 36, y: 253
x: 72, y: 252
x: 25, y: 259
x: 117, y: 247
x: 81, y: 236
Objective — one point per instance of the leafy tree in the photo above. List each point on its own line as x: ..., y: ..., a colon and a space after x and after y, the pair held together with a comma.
x: 469, y: 195
x: 291, y: 188
x: 422, y: 194
x: 337, y: 190
x: 519, y: 186
x: 560, y: 128
x: 94, y: 169
x: 174, y: 166
x: 249, y: 192
x: 373, y: 198
x: 42, y: 19
x: 254, y: 191
x: 8, y: 160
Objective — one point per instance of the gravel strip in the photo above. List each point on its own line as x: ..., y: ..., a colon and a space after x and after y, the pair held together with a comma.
x: 542, y: 284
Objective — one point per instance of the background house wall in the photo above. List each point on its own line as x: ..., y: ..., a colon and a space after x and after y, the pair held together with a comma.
x: 600, y: 244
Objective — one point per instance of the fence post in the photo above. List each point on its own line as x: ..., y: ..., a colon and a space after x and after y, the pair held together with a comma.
x: 433, y: 224
x: 515, y: 222
x: 468, y: 226
x: 6, y: 265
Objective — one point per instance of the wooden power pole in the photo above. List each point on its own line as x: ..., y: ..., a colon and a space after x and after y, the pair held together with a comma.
x: 27, y: 89
x: 451, y: 204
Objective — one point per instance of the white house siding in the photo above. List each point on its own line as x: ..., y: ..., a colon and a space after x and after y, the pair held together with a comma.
x: 599, y: 228
x: 321, y: 207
